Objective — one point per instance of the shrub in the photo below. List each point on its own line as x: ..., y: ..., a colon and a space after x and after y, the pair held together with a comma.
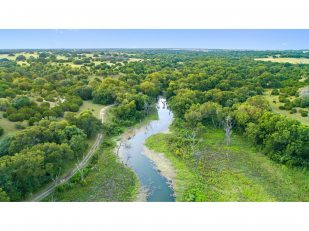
x: 293, y: 111
x: 20, y: 58
x: 288, y: 106
x: 40, y: 99
x: 19, y: 126
x: 16, y: 117
x: 304, y: 102
x: 303, y: 113
x: 281, y: 107
x: 21, y: 101
x: 275, y: 92
x: 283, y: 99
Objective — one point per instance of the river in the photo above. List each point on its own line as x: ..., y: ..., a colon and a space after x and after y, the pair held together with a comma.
x: 131, y: 151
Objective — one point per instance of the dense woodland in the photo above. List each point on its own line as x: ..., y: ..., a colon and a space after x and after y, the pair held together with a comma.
x: 41, y: 92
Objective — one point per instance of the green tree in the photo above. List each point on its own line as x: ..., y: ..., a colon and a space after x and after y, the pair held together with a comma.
x: 3, y: 196
x: 88, y: 123
x: 21, y: 58
x: 21, y: 101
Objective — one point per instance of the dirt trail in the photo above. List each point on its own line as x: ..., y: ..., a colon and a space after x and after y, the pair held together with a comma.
x: 83, y: 163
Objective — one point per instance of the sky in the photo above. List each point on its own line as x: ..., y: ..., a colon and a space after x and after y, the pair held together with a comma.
x: 168, y: 38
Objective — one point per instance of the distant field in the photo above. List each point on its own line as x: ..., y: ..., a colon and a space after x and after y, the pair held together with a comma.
x: 285, y: 60
x: 275, y: 108
x: 61, y: 57
x: 135, y: 60
x: 26, y: 54
x: 9, y: 127
x: 13, y: 58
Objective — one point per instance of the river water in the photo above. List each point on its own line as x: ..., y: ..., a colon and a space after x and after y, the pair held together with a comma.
x: 131, y: 152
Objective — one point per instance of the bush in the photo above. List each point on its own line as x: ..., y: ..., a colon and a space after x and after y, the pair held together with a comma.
x: 4, y: 145
x: 32, y: 120
x: 84, y: 92
x: 20, y: 58
x: 111, y: 128
x: 288, y: 106
x: 281, y: 107
x: 16, y: 117
x: 19, y: 126
x: 303, y: 113
x: 304, y: 102
x: 40, y: 99
x: 275, y: 92
x: 293, y: 111
x: 45, y: 104
x: 283, y: 99
x: 21, y: 101
x: 1, y: 131
x: 73, y: 107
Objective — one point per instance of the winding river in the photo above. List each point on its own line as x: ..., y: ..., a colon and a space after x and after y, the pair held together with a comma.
x: 131, y: 151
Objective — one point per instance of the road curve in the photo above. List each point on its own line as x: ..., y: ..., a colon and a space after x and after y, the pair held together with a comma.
x: 83, y: 163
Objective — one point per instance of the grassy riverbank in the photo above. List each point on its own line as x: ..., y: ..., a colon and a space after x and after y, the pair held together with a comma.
x: 235, y: 173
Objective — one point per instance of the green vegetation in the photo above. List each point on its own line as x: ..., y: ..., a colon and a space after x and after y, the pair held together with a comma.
x: 33, y: 157
x: 105, y: 179
x: 94, y: 108
x: 293, y: 113
x: 235, y: 173
x: 50, y: 102
x: 186, y: 178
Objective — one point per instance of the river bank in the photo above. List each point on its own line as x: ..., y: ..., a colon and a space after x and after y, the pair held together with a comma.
x: 162, y: 164
x: 155, y: 173
x: 235, y: 173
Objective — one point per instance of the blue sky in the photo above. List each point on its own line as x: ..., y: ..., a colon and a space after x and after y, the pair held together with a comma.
x: 211, y: 39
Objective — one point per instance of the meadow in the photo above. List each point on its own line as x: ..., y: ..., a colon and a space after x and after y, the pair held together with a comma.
x: 236, y: 173
x: 285, y: 60
x: 275, y: 104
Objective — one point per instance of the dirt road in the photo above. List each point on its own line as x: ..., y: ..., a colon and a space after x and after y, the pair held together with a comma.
x: 83, y: 163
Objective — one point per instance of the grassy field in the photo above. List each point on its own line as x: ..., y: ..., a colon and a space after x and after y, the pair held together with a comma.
x: 275, y: 107
x: 235, y: 173
x: 26, y: 54
x: 61, y: 57
x: 13, y: 58
x: 285, y: 60
x: 8, y: 126
x: 135, y: 60
x: 89, y: 105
